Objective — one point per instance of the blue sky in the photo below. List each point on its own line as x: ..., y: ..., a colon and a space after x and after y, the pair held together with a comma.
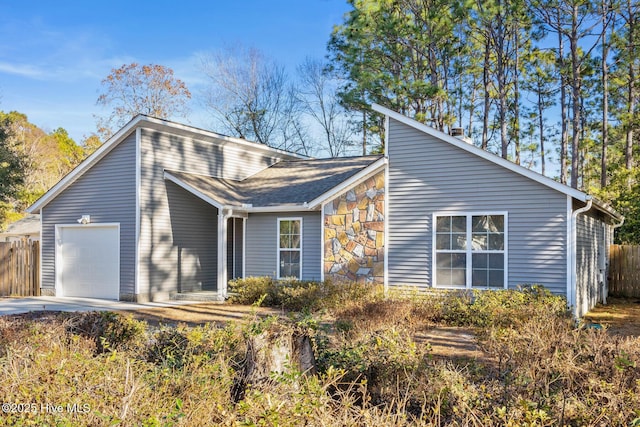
x: 54, y: 54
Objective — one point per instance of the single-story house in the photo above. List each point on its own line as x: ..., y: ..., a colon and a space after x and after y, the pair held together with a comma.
x: 27, y: 228
x: 163, y: 208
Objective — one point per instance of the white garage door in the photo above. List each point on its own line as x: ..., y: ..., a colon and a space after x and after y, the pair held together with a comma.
x: 87, y: 260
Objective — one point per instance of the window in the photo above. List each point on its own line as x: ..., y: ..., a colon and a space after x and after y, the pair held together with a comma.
x: 290, y: 247
x: 470, y: 250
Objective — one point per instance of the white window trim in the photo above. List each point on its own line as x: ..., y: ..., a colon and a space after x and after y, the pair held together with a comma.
x: 288, y: 249
x: 468, y: 251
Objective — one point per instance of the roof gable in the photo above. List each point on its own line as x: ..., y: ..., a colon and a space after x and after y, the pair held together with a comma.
x: 576, y: 194
x: 146, y: 122
x: 504, y: 163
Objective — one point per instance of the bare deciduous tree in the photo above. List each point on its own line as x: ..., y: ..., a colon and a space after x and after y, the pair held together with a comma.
x: 320, y: 101
x: 249, y: 95
x: 140, y: 89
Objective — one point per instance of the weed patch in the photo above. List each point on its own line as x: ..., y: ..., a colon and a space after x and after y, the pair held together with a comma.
x: 371, y: 369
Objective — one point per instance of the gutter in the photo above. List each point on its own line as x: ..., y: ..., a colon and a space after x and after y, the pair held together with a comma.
x: 281, y: 208
x: 571, y: 293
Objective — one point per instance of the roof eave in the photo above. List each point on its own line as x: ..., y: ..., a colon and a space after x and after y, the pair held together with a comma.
x: 207, y: 133
x: 576, y: 194
x: 118, y: 137
x: 169, y: 177
x: 605, y: 208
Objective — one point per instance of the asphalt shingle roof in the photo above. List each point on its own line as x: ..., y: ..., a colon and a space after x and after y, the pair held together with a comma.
x: 29, y: 225
x: 289, y: 182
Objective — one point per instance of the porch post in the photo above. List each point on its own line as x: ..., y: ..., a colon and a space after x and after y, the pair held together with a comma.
x: 222, y: 255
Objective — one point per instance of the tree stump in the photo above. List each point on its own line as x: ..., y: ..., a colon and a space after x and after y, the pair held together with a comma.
x: 279, y: 349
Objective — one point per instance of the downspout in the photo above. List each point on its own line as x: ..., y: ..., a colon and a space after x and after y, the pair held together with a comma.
x: 573, y: 253
x: 613, y: 227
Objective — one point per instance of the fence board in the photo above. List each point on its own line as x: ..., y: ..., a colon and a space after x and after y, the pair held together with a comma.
x: 20, y: 268
x: 624, y: 271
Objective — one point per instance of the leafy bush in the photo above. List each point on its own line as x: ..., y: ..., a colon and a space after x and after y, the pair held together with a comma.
x: 109, y: 330
x: 377, y: 357
x: 176, y: 347
x: 298, y: 295
x: 251, y: 290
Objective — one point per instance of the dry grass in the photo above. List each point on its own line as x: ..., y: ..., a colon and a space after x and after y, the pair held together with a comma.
x: 376, y: 361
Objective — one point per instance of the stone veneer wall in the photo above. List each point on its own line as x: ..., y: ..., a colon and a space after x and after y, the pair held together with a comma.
x: 354, y: 233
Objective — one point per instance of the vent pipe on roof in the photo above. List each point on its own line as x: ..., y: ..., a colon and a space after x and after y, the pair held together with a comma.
x: 458, y: 132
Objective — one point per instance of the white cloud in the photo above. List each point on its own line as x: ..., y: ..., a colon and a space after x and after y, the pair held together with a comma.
x: 21, y: 70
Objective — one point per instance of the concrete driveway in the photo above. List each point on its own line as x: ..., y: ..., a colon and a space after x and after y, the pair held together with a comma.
x: 25, y: 305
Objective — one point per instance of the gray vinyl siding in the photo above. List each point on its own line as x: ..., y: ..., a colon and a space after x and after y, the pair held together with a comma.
x: 106, y: 192
x: 427, y: 175
x: 194, y: 235
x: 159, y: 247
x: 593, y: 237
x: 262, y: 244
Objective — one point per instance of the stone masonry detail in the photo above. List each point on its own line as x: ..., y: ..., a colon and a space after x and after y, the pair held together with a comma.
x: 354, y: 233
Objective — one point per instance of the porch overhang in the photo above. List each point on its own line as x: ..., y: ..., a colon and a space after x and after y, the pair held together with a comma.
x: 237, y: 209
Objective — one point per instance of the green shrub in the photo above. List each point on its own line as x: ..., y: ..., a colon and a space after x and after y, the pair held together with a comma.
x: 109, y: 330
x: 176, y: 347
x: 512, y: 307
x: 299, y: 295
x: 382, y: 360
x: 251, y: 290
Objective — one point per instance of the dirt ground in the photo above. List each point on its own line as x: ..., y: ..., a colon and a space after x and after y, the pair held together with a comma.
x: 620, y: 316
x: 449, y: 342
x: 198, y: 314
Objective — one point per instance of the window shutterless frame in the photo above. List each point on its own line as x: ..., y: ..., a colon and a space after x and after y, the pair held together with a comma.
x: 470, y: 250
x: 289, y: 247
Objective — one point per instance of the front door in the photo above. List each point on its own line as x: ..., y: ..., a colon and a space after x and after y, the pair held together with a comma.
x: 235, y: 248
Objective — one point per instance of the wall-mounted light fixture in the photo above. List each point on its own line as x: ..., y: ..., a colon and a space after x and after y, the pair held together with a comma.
x: 84, y: 219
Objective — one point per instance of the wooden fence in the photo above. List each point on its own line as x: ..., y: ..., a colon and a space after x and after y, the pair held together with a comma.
x: 20, y: 268
x: 624, y: 271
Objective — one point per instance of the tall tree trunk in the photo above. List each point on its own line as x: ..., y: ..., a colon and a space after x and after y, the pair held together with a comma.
x: 487, y: 99
x: 516, y: 94
x: 563, y: 109
x: 628, y: 152
x: 364, y: 133
x: 472, y: 106
x: 541, y: 125
x: 499, y: 44
x: 444, y: 104
x: 439, y: 110
x: 605, y: 96
x: 631, y: 88
x: 576, y: 86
